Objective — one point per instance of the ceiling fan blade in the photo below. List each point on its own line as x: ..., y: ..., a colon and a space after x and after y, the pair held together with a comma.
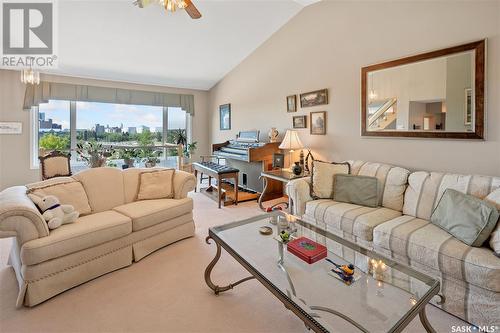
x: 192, y: 10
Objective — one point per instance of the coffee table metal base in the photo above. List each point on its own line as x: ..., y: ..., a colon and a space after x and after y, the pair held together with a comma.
x: 208, y: 271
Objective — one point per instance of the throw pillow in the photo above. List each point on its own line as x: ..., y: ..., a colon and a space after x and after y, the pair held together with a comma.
x: 66, y: 189
x: 359, y: 190
x: 466, y: 217
x: 156, y: 185
x: 494, y: 199
x: 322, y: 178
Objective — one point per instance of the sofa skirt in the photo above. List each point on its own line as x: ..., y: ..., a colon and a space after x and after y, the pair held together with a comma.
x: 42, y: 281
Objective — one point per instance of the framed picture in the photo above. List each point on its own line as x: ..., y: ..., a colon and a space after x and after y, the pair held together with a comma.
x: 278, y: 160
x: 11, y: 128
x: 468, y: 107
x: 300, y: 122
x: 318, y: 123
x: 225, y: 116
x: 313, y: 98
x: 291, y: 103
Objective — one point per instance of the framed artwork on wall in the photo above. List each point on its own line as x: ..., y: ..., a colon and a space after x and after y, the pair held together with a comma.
x: 300, y: 122
x: 318, y: 123
x: 225, y: 116
x: 313, y: 98
x: 11, y: 128
x: 291, y: 103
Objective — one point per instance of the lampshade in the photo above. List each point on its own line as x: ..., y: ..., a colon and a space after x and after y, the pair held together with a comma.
x: 291, y: 141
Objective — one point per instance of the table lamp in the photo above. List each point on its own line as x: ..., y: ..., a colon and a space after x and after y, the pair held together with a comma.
x: 290, y: 142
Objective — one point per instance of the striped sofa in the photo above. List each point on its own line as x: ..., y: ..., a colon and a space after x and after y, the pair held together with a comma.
x: 400, y: 229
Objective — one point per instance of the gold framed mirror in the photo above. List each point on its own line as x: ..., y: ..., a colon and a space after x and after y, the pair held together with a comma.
x: 438, y: 94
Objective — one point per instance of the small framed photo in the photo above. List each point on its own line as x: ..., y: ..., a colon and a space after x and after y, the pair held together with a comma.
x: 318, y: 123
x: 300, y: 122
x: 313, y: 98
x: 278, y: 160
x: 291, y: 103
x: 225, y: 116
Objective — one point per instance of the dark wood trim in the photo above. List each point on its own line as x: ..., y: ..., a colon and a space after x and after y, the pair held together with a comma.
x: 53, y: 154
x: 478, y: 134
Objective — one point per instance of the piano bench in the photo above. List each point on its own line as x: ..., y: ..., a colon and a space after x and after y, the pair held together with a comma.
x: 219, y: 172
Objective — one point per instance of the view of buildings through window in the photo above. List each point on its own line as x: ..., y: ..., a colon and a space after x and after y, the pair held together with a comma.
x: 109, y: 124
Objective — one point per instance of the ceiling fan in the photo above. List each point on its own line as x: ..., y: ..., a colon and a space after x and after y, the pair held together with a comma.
x: 172, y: 6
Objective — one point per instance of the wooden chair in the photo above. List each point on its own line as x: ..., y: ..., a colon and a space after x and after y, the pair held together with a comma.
x: 55, y: 164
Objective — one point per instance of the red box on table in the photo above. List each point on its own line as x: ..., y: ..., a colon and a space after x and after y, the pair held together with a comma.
x: 307, y: 250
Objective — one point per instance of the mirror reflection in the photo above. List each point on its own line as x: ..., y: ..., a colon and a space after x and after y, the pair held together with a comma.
x: 432, y: 95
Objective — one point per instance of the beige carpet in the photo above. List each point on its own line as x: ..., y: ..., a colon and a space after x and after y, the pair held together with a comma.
x: 166, y: 292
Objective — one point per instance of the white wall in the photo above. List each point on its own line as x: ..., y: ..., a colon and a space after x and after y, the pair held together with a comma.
x: 14, y: 149
x: 327, y: 44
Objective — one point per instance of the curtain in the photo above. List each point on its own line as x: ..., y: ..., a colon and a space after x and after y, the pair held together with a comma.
x: 42, y: 93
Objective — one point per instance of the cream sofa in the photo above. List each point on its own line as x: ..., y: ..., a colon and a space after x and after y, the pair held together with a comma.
x: 400, y: 229
x: 117, y: 231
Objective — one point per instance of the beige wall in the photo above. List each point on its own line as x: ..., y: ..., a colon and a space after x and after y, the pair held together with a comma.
x: 14, y: 149
x: 326, y: 45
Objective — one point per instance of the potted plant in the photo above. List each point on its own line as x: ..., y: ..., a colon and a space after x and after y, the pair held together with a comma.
x: 128, y: 155
x: 190, y: 149
x: 93, y: 153
x: 150, y: 157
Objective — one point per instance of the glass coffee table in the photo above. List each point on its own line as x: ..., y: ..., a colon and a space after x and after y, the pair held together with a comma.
x: 385, y: 296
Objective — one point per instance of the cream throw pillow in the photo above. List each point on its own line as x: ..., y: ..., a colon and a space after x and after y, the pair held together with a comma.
x: 322, y: 178
x: 66, y: 189
x: 156, y: 185
x: 494, y: 199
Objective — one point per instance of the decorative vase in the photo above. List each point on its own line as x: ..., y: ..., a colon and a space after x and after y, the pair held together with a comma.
x: 273, y: 134
x: 297, y: 169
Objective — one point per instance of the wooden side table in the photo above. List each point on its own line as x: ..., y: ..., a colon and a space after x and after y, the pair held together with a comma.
x: 283, y: 176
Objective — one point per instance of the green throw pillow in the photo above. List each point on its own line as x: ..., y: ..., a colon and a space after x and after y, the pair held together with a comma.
x: 359, y: 190
x: 468, y: 218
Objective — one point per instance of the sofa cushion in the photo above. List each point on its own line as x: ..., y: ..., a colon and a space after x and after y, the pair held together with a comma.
x: 426, y: 188
x: 88, y: 231
x: 353, y: 219
x: 392, y: 181
x: 494, y: 199
x: 156, y: 185
x: 358, y: 190
x: 104, y: 187
x: 425, y: 243
x: 322, y: 178
x: 147, y: 213
x: 66, y: 189
x: 469, y: 219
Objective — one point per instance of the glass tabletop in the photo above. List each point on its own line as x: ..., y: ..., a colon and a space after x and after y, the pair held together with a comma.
x: 383, y: 297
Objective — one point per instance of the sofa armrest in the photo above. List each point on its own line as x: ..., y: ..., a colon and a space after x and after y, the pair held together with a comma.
x: 299, y: 192
x: 184, y: 182
x: 19, y: 216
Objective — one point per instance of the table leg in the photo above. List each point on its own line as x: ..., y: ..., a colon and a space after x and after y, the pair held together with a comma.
x: 209, y: 181
x: 425, y: 321
x: 261, y: 206
x: 196, y: 176
x: 236, y: 189
x: 219, y: 189
x: 217, y: 289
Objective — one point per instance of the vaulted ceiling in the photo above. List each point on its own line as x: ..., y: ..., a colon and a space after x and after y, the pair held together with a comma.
x: 115, y: 40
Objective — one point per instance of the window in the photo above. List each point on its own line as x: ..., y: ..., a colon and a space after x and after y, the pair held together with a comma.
x: 60, y: 125
x: 54, y: 127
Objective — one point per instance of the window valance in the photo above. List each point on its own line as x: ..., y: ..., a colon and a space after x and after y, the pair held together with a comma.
x: 45, y: 91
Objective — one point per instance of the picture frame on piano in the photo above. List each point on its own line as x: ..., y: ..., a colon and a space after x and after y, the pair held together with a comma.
x: 225, y: 117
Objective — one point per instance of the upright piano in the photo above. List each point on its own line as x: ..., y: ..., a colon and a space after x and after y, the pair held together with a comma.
x: 251, y: 157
